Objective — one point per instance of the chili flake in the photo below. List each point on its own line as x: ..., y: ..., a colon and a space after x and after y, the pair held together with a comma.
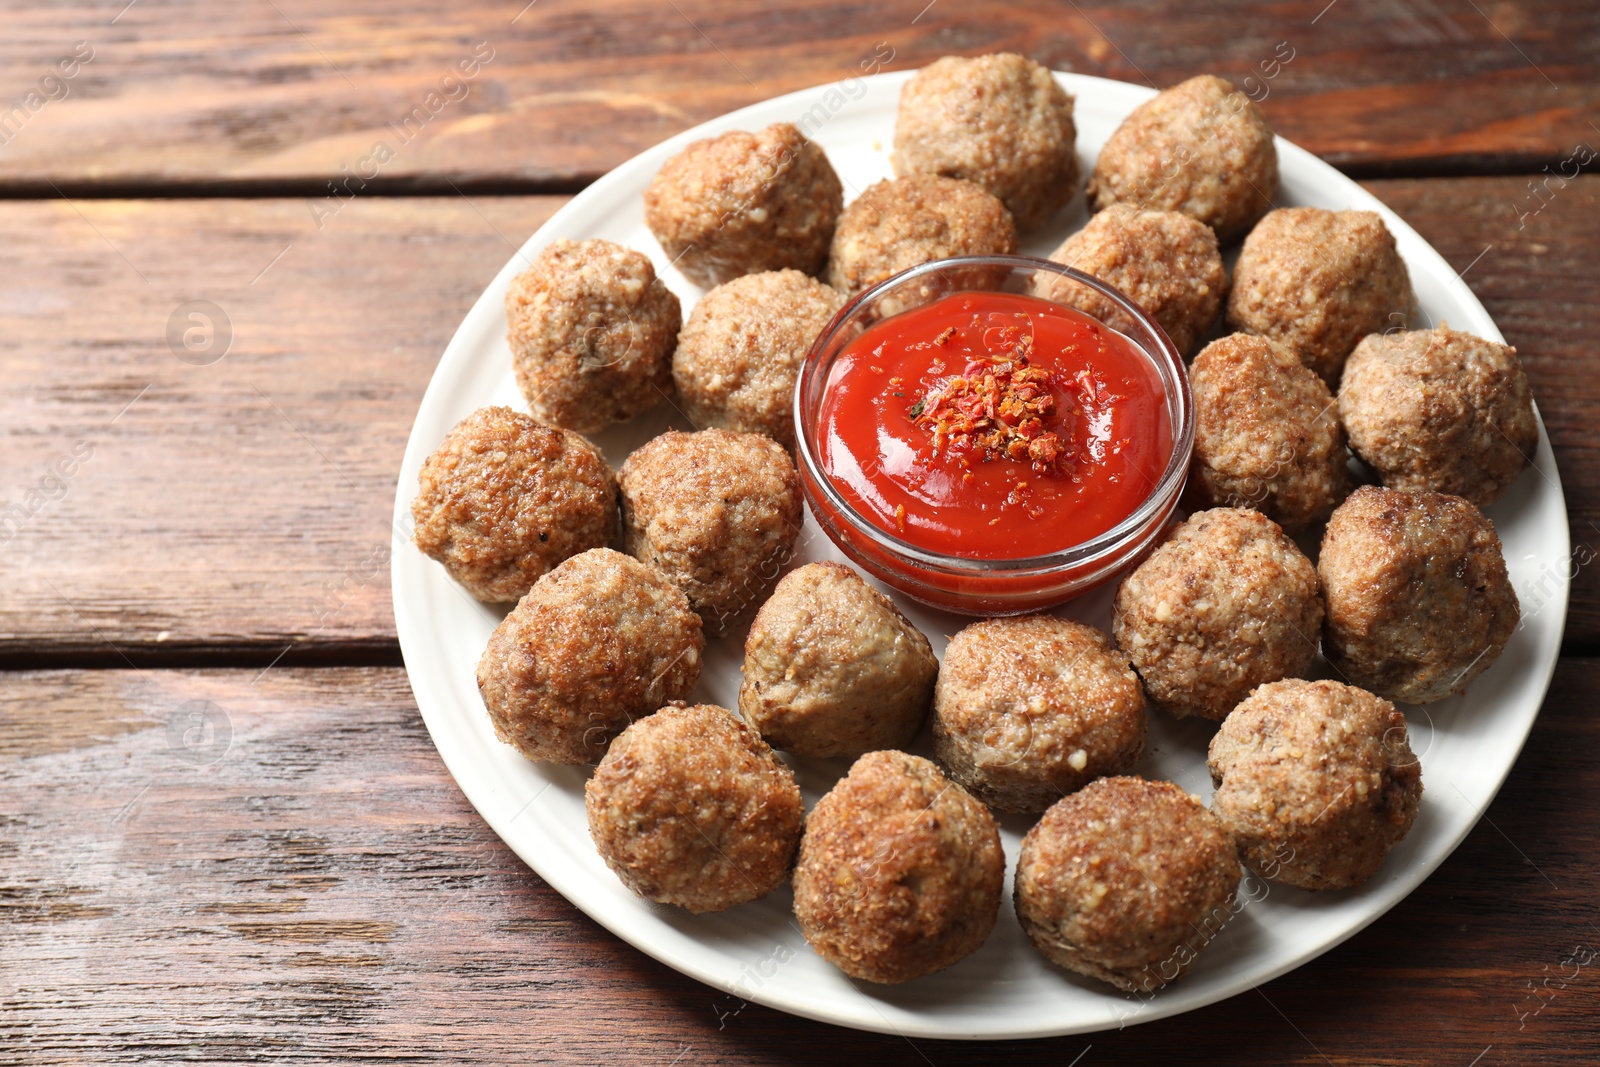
x: 996, y: 410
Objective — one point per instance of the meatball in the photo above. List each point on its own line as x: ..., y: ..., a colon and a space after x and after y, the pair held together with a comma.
x: 1126, y: 881
x: 504, y: 499
x: 1164, y: 261
x: 690, y: 807
x: 900, y: 871
x: 1267, y: 435
x: 740, y: 351
x: 1029, y: 709
x: 1001, y: 121
x: 743, y: 203
x: 718, y: 512
x: 1419, y: 601
x: 1316, y: 781
x: 591, y: 334
x: 831, y: 667
x: 1201, y: 147
x: 1440, y: 409
x: 896, y: 225
x: 1319, y: 281
x: 1226, y: 603
x: 599, y: 641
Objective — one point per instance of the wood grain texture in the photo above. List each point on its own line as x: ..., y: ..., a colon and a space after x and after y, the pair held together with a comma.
x: 243, y: 504
x: 256, y: 96
x: 241, y: 509
x: 316, y: 889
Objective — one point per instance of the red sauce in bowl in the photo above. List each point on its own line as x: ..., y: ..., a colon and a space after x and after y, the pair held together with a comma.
x: 992, y: 425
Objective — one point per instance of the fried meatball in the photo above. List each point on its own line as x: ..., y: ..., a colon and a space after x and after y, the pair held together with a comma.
x: 897, y: 224
x: 1267, y: 434
x: 1419, y: 601
x: 1126, y: 881
x: 831, y: 667
x: 1201, y: 147
x: 1029, y: 709
x: 1226, y: 603
x: 504, y: 499
x: 591, y: 334
x: 599, y: 641
x: 743, y: 203
x: 718, y: 512
x: 1164, y: 261
x: 740, y: 350
x: 1319, y: 281
x: 1000, y: 121
x: 1316, y: 781
x: 1440, y: 409
x: 690, y: 807
x: 900, y: 871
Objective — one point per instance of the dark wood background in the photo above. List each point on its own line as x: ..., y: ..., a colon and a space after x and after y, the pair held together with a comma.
x: 320, y: 890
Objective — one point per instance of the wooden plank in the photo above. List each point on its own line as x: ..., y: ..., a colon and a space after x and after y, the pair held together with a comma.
x: 290, y: 93
x: 243, y: 504
x: 317, y: 889
x: 242, y: 508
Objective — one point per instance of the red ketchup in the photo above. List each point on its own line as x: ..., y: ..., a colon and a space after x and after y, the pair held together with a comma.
x: 994, y: 426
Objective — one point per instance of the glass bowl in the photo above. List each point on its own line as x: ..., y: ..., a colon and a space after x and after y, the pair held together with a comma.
x: 975, y: 586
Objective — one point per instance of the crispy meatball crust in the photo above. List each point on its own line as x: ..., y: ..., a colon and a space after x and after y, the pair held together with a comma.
x: 1267, y: 433
x: 591, y: 333
x: 1319, y: 281
x: 1316, y: 781
x: 743, y: 203
x: 1201, y: 147
x: 1164, y: 261
x: 1226, y: 603
x: 900, y: 871
x: 1029, y: 709
x: 740, y: 350
x: 599, y: 641
x: 1000, y: 121
x: 902, y: 222
x: 1441, y: 410
x: 716, y: 511
x: 1419, y: 601
x: 1126, y: 881
x: 504, y: 499
x: 690, y: 807
x: 831, y: 667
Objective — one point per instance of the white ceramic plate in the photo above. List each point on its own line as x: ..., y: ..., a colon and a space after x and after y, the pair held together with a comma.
x: 1005, y: 990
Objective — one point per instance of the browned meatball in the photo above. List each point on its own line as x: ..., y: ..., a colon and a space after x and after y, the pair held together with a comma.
x: 1442, y: 410
x: 1267, y: 434
x: 1164, y: 261
x: 896, y: 225
x: 1029, y: 709
x: 599, y: 641
x: 1419, y: 601
x: 718, y: 512
x: 900, y: 871
x: 591, y: 333
x: 1319, y: 281
x: 743, y: 203
x: 1226, y: 603
x: 1316, y: 781
x: 1126, y: 881
x: 1000, y: 121
x: 504, y: 499
x: 690, y: 807
x: 740, y: 350
x: 1201, y: 147
x: 831, y: 667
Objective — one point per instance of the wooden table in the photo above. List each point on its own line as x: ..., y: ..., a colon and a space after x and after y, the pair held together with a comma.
x: 204, y: 544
